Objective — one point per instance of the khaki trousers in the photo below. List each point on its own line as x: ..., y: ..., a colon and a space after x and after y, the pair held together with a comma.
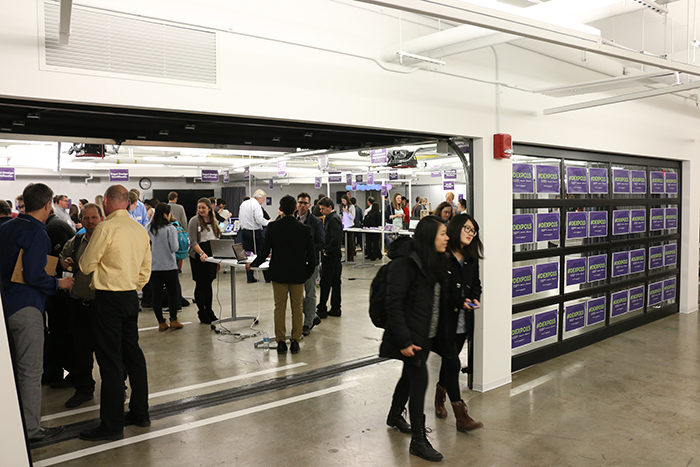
x: 296, y: 296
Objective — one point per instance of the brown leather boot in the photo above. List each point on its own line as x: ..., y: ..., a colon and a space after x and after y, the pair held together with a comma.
x: 175, y: 324
x: 440, y: 397
x: 464, y: 421
x: 163, y: 327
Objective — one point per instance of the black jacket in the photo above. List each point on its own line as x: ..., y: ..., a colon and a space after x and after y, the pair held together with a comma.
x: 292, y: 260
x: 333, y: 235
x: 317, y: 234
x: 463, y: 282
x: 373, y: 219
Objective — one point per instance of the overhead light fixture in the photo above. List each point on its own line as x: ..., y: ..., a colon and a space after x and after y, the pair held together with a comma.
x: 163, y: 132
x: 140, y: 137
x: 652, y: 5
x: 34, y: 116
x: 276, y: 139
x: 18, y: 123
x: 602, y: 85
x: 402, y: 54
x: 189, y: 126
x: 308, y: 134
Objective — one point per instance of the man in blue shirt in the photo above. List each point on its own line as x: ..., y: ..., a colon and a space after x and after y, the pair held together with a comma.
x: 23, y: 303
x: 137, y: 211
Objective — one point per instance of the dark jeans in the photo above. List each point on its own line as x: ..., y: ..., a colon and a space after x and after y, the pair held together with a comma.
x: 115, y: 327
x: 331, y: 272
x: 170, y: 279
x: 411, y: 387
x: 246, y: 237
x: 58, y: 345
x: 83, y: 344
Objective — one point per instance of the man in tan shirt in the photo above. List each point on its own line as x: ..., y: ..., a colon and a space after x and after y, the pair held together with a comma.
x: 119, y: 258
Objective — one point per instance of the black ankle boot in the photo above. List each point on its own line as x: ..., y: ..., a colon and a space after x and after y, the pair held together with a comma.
x: 420, y: 446
x: 396, y: 420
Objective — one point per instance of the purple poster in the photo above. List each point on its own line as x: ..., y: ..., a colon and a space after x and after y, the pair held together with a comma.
x: 620, y: 263
x: 621, y: 222
x: 636, y: 301
x: 658, y: 184
x: 595, y: 311
x: 671, y: 183
x: 450, y: 174
x: 370, y: 178
x: 521, y: 333
x: 621, y: 181
x: 385, y: 191
x: 597, y: 268
x: 547, y: 179
x: 671, y: 218
x: 670, y: 254
x: 378, y: 156
x: 227, y: 176
x: 317, y: 182
x: 637, y: 258
x: 7, y: 174
x: 638, y: 221
x: 353, y: 185
x: 268, y: 201
x: 348, y: 179
x: 522, y: 178
x: 358, y: 178
x: 210, y: 175
x: 598, y: 223
x: 576, y: 225
x: 393, y: 175
x: 523, y: 228
x: 334, y: 177
x: 575, y: 271
x: 598, y: 181
x: 639, y: 181
x: 546, y: 324
x: 271, y: 184
x: 122, y: 175
x: 574, y: 316
x: 618, y: 303
x: 282, y: 168
x: 522, y: 281
x: 547, y: 276
x: 246, y: 173
x: 656, y: 257
x: 669, y: 289
x: 657, y: 219
x: 548, y: 227
x: 435, y: 172
x: 656, y: 293
x: 448, y: 185
x: 577, y: 180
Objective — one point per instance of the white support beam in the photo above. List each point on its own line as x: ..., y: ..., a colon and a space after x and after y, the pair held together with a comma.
x: 64, y: 26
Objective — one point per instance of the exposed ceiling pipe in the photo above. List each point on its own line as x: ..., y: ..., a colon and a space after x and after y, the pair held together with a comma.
x: 64, y: 26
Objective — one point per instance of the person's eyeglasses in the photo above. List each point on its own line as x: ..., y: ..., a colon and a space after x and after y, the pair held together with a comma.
x: 302, y: 202
x: 469, y: 230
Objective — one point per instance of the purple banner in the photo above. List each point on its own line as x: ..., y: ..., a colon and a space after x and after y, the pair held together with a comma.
x: 658, y: 184
x: 639, y: 181
x: 317, y: 182
x: 385, y: 191
x: 227, y: 176
x: 621, y: 222
x: 576, y: 225
x: 657, y: 219
x: 637, y: 258
x: 246, y: 173
x: 523, y: 228
x: 595, y: 311
x: 393, y: 175
x: 358, y: 178
x: 370, y: 178
x: 450, y: 174
x: 621, y: 181
x: 548, y: 227
x: 669, y: 289
x: 122, y: 175
x: 282, y: 168
x: 597, y: 268
x: 575, y: 271
x: 448, y: 185
x: 656, y: 293
x: 671, y: 215
x: 671, y: 183
x: 335, y: 177
x: 547, y: 277
x: 271, y: 184
x: 378, y: 156
x: 546, y: 324
x: 547, y: 179
x: 598, y: 223
x: 670, y: 254
x: 577, y: 180
x: 574, y: 316
x: 638, y: 221
x: 348, y: 179
x: 268, y: 201
x: 210, y: 175
x: 353, y: 185
x: 7, y: 174
x: 523, y: 179
x: 620, y: 263
x: 522, y: 281
x: 656, y: 257
x: 598, y: 181
x: 521, y: 333
x: 636, y: 301
x: 618, y: 303
x: 435, y: 172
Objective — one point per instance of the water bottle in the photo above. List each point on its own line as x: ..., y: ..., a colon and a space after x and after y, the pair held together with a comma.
x: 266, y: 342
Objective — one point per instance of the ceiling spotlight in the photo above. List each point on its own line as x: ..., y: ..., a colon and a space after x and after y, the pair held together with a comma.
x: 163, y: 132
x: 5, y: 129
x: 248, y: 142
x: 34, y: 116
x: 140, y: 137
x: 308, y: 134
x: 18, y: 123
x: 276, y: 139
x: 189, y: 126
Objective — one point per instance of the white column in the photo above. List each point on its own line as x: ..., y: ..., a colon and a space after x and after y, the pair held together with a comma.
x: 690, y: 237
x: 493, y: 210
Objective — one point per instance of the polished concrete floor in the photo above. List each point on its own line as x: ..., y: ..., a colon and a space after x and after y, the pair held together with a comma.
x: 632, y: 400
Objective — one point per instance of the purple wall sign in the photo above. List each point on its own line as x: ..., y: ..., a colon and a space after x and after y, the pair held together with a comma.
x: 639, y: 181
x: 348, y: 179
x: 448, y: 185
x: 575, y: 271
x: 282, y: 168
x: 450, y: 174
x: 669, y: 289
x: 638, y: 220
x: 574, y: 316
x: 122, y: 175
x: 378, y: 156
x: 523, y: 228
x: 656, y: 293
x: 656, y: 257
x: 370, y: 178
x: 227, y: 176
x: 621, y: 222
x: 393, y: 175
x: 268, y: 201
x: 271, y: 184
x: 598, y: 181
x: 670, y: 254
x: 317, y: 182
x: 618, y: 303
x: 598, y: 223
x: 637, y: 258
x: 548, y: 179
x: 435, y: 172
x: 7, y: 174
x: 597, y: 268
x: 548, y: 227
x: 546, y: 324
x: 621, y: 181
x: 576, y: 225
x: 523, y: 179
x: 671, y: 218
x: 595, y: 311
x: 246, y: 173
x: 335, y: 177
x: 671, y: 183
x: 522, y: 281
x: 577, y: 180
x: 210, y: 175
x: 358, y: 178
x: 658, y: 183
x: 521, y: 333
x: 620, y: 263
x: 547, y: 275
x: 636, y: 301
x: 657, y: 219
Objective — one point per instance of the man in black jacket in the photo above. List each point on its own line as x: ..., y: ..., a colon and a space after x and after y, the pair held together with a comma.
x: 330, y: 261
x: 304, y: 216
x: 291, y: 265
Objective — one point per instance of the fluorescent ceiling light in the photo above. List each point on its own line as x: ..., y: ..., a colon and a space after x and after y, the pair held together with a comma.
x: 602, y: 85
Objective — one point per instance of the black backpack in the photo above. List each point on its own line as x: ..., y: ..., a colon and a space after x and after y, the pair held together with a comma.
x: 377, y: 297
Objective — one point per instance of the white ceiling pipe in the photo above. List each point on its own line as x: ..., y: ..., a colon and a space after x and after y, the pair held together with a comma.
x: 594, y: 62
x: 64, y: 26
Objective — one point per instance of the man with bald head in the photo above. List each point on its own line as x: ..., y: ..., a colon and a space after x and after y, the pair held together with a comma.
x: 119, y: 258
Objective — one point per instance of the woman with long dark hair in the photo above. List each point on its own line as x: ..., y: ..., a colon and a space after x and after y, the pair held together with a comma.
x: 164, y: 270
x: 201, y: 229
x: 444, y: 212
x: 415, y: 284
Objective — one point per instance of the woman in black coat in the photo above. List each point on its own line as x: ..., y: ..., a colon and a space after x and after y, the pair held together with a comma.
x: 415, y: 285
x: 373, y: 219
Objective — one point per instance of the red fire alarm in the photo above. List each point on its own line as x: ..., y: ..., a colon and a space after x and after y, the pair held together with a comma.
x: 502, y: 146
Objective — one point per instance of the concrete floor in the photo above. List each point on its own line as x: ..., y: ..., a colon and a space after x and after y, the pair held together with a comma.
x: 631, y: 400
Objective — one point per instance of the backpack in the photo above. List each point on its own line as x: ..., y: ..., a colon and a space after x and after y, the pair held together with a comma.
x: 358, y: 217
x: 377, y: 296
x: 183, y: 241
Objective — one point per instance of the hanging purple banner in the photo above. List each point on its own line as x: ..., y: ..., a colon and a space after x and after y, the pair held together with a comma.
x: 598, y: 181
x: 671, y: 218
x: 227, y: 176
x: 658, y: 183
x: 548, y: 227
x: 577, y: 180
x: 370, y: 178
x: 122, y: 175
x: 575, y: 271
x: 358, y: 178
x: 448, y: 185
x: 547, y: 277
x: 621, y: 222
x: 656, y: 293
x: 317, y: 182
x: 246, y: 173
x: 620, y: 263
x: 522, y: 178
x: 574, y: 316
x: 335, y: 177
x: 638, y: 221
x: 657, y: 219
x: 393, y: 175
x: 636, y: 301
x: 271, y: 184
x: 210, y: 175
x: 282, y: 168
x: 435, y: 172
x: 523, y: 228
x: 576, y: 225
x: 268, y: 201
x: 522, y: 281
x: 597, y: 268
x: 637, y: 258
x: 348, y: 179
x: 7, y: 174
x: 521, y: 333
x: 621, y: 181
x: 598, y: 224
x: 639, y: 181
x: 548, y: 179
x: 385, y: 191
x: 656, y: 257
x: 353, y: 185
x: 546, y: 324
x: 450, y: 174
x: 378, y: 156
x: 671, y: 183
x: 670, y: 254
x: 595, y: 311
x: 618, y: 303
x: 669, y: 289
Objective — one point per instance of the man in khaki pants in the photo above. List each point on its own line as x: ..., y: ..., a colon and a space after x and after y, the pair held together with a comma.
x: 291, y: 264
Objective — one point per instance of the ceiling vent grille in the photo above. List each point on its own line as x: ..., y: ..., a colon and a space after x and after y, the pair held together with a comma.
x: 108, y: 43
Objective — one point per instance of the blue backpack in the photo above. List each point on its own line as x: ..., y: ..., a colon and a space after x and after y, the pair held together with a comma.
x: 183, y: 241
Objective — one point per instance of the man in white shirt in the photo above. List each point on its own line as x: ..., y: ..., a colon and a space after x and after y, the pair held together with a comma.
x: 60, y: 208
x: 250, y: 216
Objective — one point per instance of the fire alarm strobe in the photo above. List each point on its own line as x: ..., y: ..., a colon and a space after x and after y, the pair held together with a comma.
x: 502, y: 146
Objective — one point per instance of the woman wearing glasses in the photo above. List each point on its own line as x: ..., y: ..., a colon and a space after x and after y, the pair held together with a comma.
x: 464, y: 292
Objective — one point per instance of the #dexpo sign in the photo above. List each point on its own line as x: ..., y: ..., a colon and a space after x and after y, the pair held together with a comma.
x: 523, y: 228
x: 545, y: 325
x: 576, y: 180
x: 521, y: 333
x: 576, y: 225
x: 522, y: 281
x: 543, y: 178
x: 548, y: 227
x: 547, y: 277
